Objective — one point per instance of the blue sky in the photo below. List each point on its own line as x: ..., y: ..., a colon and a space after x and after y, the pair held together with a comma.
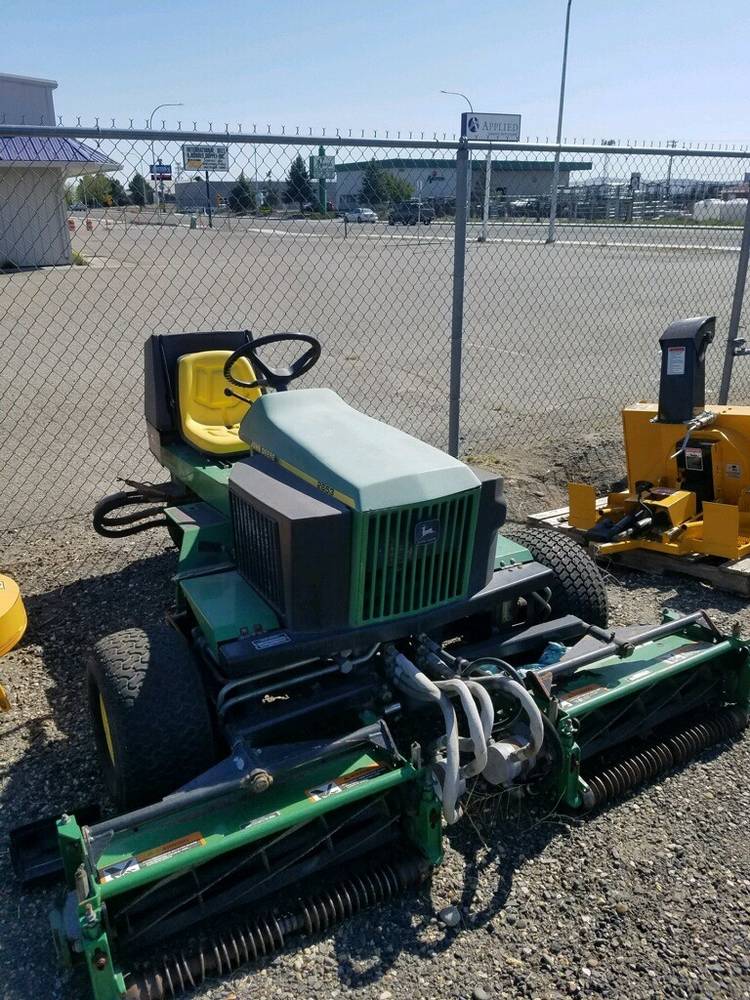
x: 638, y: 70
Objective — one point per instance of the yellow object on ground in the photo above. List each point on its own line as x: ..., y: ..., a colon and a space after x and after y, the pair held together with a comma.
x: 13, y: 619
x: 13, y: 623
x: 209, y: 419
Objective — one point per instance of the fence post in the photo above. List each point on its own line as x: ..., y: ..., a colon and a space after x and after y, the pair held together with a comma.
x: 734, y: 319
x: 457, y: 318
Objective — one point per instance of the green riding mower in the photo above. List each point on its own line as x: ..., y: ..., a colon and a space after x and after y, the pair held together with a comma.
x: 353, y: 645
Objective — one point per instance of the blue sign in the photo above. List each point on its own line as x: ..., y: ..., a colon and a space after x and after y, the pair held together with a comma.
x: 161, y: 171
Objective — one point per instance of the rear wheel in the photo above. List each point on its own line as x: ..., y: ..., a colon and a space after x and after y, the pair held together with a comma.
x: 578, y: 588
x: 150, y: 714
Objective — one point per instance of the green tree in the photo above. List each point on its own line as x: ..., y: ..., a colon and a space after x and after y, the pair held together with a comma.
x: 397, y: 188
x: 94, y: 190
x: 118, y: 193
x: 141, y: 192
x: 374, y: 190
x: 241, y: 198
x: 298, y: 188
x: 271, y: 197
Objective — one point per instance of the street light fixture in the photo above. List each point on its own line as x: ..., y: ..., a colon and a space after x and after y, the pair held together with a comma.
x: 556, y: 169
x: 457, y: 93
x: 170, y: 104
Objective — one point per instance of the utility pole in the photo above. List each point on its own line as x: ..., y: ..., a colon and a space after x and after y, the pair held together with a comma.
x: 487, y: 183
x: 321, y: 181
x: 457, y: 93
x: 158, y: 107
x: 672, y: 144
x: 556, y: 168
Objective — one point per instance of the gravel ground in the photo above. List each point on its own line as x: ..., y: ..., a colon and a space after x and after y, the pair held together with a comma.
x: 647, y: 899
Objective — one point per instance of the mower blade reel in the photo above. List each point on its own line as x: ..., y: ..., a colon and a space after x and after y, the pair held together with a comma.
x: 257, y: 868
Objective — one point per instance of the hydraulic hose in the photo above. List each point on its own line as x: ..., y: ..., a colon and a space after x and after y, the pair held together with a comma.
x: 502, y: 664
x: 530, y: 707
x: 477, y: 741
x: 414, y: 682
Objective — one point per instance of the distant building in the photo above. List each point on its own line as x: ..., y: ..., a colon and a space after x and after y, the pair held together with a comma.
x: 33, y: 219
x: 437, y: 178
x: 191, y: 196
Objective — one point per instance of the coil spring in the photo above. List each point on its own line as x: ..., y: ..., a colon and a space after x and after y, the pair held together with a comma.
x: 245, y: 942
x: 677, y: 749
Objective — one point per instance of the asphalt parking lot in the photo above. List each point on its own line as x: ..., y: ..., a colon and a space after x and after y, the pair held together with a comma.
x: 556, y: 338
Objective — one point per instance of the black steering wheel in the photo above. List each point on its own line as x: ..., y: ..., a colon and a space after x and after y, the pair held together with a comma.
x: 274, y: 378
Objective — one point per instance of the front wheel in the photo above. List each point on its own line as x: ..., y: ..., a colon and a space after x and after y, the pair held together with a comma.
x: 578, y: 588
x: 150, y: 714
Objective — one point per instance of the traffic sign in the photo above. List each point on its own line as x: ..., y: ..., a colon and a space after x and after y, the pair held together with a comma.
x: 501, y: 128
x: 205, y: 158
x: 161, y: 171
x: 323, y: 168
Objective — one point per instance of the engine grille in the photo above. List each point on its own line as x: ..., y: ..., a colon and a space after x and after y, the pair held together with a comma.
x: 396, y: 574
x: 258, y: 550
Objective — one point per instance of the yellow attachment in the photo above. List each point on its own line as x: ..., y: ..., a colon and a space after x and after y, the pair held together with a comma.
x: 209, y: 419
x: 721, y: 530
x: 680, y: 506
x: 13, y: 618
x: 106, y: 728
x: 582, y: 499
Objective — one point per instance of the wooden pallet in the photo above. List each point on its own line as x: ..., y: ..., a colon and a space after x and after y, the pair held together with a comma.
x: 732, y: 575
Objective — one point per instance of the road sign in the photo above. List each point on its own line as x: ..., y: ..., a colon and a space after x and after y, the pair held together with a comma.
x: 161, y: 171
x: 205, y: 158
x: 323, y: 168
x: 502, y: 128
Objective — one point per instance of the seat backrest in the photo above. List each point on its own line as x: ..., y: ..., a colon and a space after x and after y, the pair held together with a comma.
x: 201, y: 389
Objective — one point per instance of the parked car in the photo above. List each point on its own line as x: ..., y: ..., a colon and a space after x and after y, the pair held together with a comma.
x: 411, y: 213
x: 360, y: 215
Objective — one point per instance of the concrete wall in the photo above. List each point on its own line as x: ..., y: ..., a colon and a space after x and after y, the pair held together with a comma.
x: 33, y: 220
x: 25, y: 100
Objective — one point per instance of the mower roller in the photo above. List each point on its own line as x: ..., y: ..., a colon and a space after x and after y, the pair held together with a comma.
x: 353, y: 645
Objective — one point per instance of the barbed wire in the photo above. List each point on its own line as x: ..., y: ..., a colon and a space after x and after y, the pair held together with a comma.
x: 217, y: 128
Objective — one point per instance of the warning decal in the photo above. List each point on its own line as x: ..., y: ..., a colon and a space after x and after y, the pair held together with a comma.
x: 151, y: 857
x: 344, y: 781
x: 118, y: 869
x: 675, y: 361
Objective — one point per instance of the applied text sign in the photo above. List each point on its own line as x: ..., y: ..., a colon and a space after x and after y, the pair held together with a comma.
x: 501, y: 128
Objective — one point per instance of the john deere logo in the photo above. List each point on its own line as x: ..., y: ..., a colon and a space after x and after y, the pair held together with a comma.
x: 426, y: 532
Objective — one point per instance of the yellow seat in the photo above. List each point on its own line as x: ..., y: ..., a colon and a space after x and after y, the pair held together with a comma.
x: 209, y: 419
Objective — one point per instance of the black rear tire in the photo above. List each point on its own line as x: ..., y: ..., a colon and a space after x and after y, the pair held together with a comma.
x: 578, y: 588
x: 150, y: 714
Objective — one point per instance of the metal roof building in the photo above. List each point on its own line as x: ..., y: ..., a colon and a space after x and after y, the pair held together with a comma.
x: 33, y: 219
x: 437, y: 177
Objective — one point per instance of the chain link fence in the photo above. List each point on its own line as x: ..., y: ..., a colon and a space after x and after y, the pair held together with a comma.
x: 107, y: 236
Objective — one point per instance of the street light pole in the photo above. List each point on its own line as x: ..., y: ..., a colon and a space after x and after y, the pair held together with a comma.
x: 158, y: 107
x: 457, y: 93
x: 556, y: 168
